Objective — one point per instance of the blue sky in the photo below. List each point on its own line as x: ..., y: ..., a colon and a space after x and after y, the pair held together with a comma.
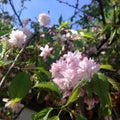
x: 35, y: 7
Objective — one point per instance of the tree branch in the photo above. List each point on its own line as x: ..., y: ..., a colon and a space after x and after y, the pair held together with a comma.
x: 76, y: 7
x: 102, y: 12
x: 77, y: 4
x: 14, y: 10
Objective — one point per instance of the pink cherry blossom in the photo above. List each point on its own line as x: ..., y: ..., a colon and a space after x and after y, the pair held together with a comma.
x: 45, y: 52
x: 17, y: 38
x: 71, y: 68
x: 44, y: 19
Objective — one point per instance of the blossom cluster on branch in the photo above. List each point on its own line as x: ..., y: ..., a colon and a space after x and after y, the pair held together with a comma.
x: 71, y: 68
x: 19, y: 37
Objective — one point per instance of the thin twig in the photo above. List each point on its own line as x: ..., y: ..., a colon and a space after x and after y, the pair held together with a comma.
x: 77, y: 4
x: 13, y: 64
x: 14, y: 10
x: 76, y: 7
x: 22, y: 8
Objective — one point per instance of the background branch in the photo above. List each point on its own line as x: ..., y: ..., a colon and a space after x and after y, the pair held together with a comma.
x: 70, y: 5
x: 102, y: 11
x: 14, y: 10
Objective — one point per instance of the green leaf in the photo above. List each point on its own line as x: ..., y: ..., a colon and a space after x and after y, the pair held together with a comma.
x: 43, y: 114
x: 107, y: 67
x: 64, y: 25
x: 80, y: 117
x: 78, y: 43
x: 86, y: 35
x: 48, y: 85
x: 15, y: 101
x: 112, y: 37
x: 101, y: 87
x: 89, y: 89
x: 115, y: 84
x: 106, y: 105
x: 75, y: 93
x: 41, y: 69
x: 20, y: 86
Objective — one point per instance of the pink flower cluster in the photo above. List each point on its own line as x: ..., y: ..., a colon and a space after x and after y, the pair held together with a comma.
x: 44, y: 19
x: 46, y: 51
x: 71, y: 68
x: 19, y: 37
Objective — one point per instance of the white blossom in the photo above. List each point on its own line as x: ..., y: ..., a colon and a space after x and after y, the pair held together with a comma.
x: 17, y: 38
x: 45, y: 51
x: 44, y: 19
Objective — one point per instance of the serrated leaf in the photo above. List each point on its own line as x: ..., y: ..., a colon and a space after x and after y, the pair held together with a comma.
x: 41, y: 69
x: 89, y: 89
x: 101, y: 87
x: 20, y: 86
x: 43, y: 114
x: 75, y: 93
x: 115, y: 84
x: 107, y: 67
x: 106, y: 105
x: 48, y: 85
